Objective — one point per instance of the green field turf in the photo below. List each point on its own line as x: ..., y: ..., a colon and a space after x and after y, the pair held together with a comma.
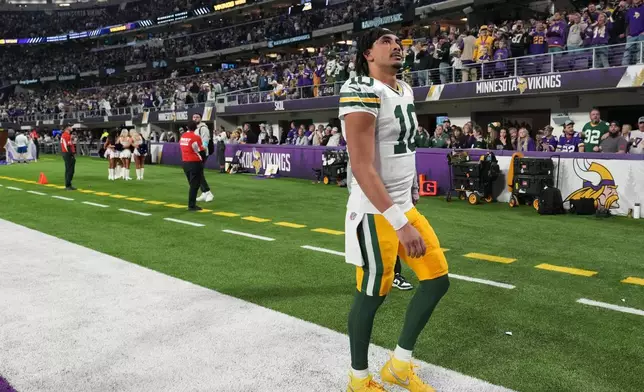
x: 556, y: 343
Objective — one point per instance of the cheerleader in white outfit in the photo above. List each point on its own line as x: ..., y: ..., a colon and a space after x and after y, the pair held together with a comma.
x: 111, y: 155
x: 140, y: 151
x: 126, y: 153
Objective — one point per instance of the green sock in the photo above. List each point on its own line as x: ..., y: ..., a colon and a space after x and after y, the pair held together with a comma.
x: 363, y: 311
x: 420, y: 309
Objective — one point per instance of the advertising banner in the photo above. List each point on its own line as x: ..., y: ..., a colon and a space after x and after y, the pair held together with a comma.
x: 594, y: 79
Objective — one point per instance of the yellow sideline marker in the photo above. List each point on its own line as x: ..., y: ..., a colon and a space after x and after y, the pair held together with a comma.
x: 50, y: 185
x: 566, y: 270
x: 204, y: 211
x: 119, y: 196
x: 86, y: 191
x: 226, y: 214
x: 445, y: 250
x: 328, y: 231
x: 291, y: 225
x: 135, y: 199
x: 634, y: 280
x: 256, y: 219
x: 176, y: 206
x: 496, y: 259
x: 102, y: 194
x: 155, y: 202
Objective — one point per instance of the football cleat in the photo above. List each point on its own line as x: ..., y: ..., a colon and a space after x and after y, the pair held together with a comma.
x: 209, y: 197
x: 201, y: 197
x: 402, y: 374
x: 364, y: 385
x: 401, y: 283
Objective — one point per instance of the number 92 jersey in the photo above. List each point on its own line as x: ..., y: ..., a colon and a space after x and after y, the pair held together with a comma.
x: 395, y: 156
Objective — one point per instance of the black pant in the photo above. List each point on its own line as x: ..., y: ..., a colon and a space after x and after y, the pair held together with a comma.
x: 37, y: 149
x: 398, y: 267
x: 70, y: 167
x: 194, y: 174
x: 202, y: 182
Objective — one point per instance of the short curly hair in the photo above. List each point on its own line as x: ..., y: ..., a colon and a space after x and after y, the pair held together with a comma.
x: 365, y: 43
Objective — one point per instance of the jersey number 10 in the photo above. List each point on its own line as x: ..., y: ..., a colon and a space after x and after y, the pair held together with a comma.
x: 404, y: 118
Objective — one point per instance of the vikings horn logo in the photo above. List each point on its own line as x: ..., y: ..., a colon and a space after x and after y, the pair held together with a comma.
x: 522, y: 85
x: 257, y: 161
x: 598, y: 184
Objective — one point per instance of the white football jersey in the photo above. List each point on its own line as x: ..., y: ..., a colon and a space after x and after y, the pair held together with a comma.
x: 637, y: 142
x: 396, y: 122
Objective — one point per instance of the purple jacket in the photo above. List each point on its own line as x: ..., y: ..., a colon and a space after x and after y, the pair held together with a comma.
x: 501, y: 54
x: 549, y: 143
x: 600, y: 36
x: 557, y: 34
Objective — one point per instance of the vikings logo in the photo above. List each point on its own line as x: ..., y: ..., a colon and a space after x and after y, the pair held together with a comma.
x: 598, y: 184
x: 257, y: 160
x: 522, y: 84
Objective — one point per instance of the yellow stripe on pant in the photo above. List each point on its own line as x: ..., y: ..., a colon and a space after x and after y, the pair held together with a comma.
x: 380, y: 246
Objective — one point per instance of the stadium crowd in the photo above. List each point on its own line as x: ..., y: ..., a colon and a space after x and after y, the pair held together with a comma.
x: 438, y: 55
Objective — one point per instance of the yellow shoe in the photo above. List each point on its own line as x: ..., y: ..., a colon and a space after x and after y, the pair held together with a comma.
x: 364, y: 385
x: 402, y: 374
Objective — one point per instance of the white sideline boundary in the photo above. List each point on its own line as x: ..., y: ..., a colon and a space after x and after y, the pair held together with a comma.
x: 249, y: 235
x: 89, y: 203
x: 13, y: 188
x: 134, y: 212
x: 73, y: 319
x: 605, y: 305
x: 184, y: 222
x: 37, y: 193
x: 63, y: 198
x: 323, y: 250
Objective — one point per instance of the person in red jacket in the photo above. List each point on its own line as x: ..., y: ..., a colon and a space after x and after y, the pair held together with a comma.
x: 69, y: 156
x: 193, y: 156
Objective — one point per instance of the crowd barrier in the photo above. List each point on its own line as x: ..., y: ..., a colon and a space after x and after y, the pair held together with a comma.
x: 613, y: 180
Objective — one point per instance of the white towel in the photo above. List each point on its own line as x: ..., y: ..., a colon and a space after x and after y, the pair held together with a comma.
x: 352, y: 252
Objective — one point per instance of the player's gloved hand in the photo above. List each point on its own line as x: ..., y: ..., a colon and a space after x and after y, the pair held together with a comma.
x: 411, y: 239
x: 415, y: 196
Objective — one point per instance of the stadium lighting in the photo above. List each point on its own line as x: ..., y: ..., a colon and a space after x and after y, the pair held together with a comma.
x: 64, y: 5
x: 464, y: 19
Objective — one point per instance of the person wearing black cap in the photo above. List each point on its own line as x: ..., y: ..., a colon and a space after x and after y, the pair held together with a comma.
x: 614, y: 143
x: 193, y: 156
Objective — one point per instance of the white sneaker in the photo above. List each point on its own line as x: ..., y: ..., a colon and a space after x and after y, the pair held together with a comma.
x: 201, y: 197
x: 209, y: 197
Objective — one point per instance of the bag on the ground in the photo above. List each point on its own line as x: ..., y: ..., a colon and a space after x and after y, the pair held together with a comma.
x: 583, y: 206
x: 551, y: 202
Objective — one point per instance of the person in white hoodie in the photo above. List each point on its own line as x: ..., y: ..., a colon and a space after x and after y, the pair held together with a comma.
x: 21, y: 147
x: 203, y: 132
x: 334, y: 140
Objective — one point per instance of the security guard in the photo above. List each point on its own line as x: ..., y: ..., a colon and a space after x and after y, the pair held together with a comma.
x: 69, y: 156
x: 204, y: 133
x: 193, y: 156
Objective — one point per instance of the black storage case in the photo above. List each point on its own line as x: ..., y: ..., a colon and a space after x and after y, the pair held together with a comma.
x: 533, y: 166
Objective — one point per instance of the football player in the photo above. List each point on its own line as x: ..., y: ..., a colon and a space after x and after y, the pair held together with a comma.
x: 379, y: 122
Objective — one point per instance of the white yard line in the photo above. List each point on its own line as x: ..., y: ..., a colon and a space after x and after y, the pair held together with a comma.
x: 37, y: 193
x: 56, y: 299
x: 89, y: 203
x: 134, y: 212
x: 184, y: 222
x: 482, y: 281
x: 323, y: 250
x: 63, y: 198
x: 241, y: 233
x: 605, y: 305
x: 13, y: 188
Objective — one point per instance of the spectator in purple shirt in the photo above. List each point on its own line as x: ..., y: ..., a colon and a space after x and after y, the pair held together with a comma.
x: 600, y: 39
x: 635, y: 33
x: 502, y: 53
x: 549, y: 142
x: 557, y: 33
x: 524, y: 141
